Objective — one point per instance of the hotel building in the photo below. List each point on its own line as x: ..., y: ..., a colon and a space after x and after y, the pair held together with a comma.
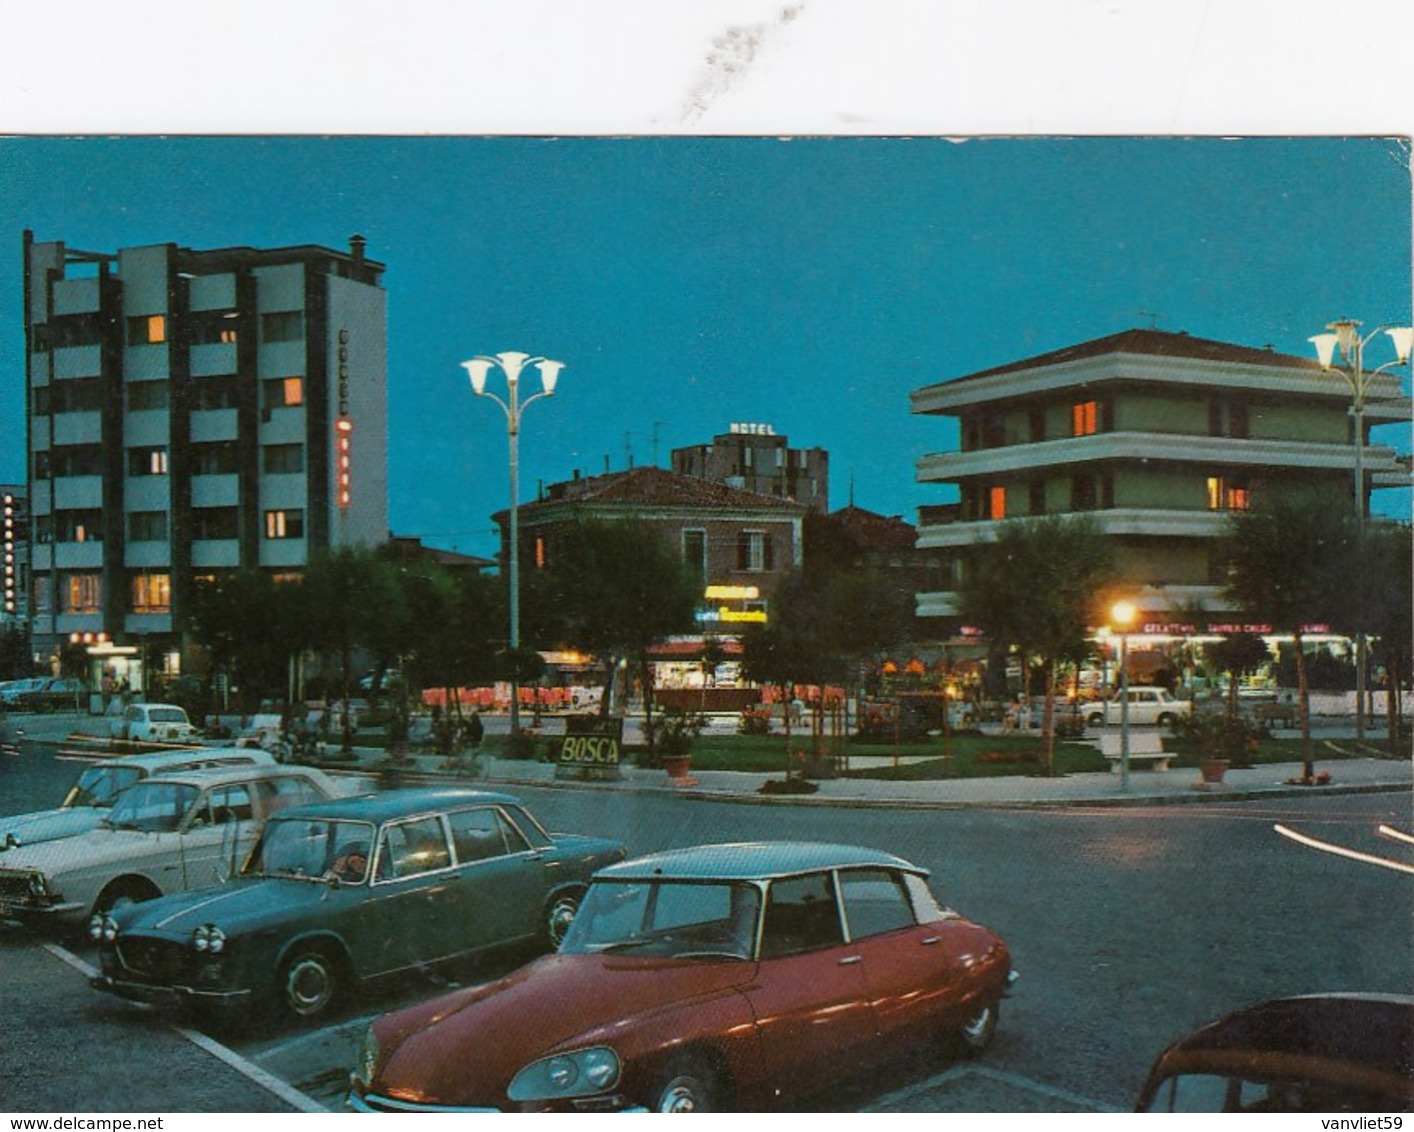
x: 753, y: 457
x: 1158, y: 436
x: 191, y: 412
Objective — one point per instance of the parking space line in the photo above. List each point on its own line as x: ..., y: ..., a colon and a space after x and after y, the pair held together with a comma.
x: 267, y: 1081
x: 960, y: 1074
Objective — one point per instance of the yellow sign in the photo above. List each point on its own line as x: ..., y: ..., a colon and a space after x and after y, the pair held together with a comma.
x: 731, y: 593
x: 757, y: 615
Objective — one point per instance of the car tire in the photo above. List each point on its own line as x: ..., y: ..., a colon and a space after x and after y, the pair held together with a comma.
x: 688, y: 1085
x: 977, y: 1032
x: 1165, y: 720
x: 126, y: 890
x: 560, y: 912
x: 1094, y: 720
x: 310, y: 982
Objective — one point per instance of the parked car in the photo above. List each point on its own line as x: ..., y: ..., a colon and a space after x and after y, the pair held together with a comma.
x: 724, y: 976
x: 97, y: 787
x: 1146, y: 705
x: 59, y: 694
x: 342, y: 892
x: 13, y: 694
x: 1318, y: 1053
x: 153, y: 723
x: 168, y: 833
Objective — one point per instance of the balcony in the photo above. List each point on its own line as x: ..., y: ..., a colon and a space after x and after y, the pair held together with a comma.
x: 1149, y: 600
x: 1135, y: 447
x: 1153, y: 521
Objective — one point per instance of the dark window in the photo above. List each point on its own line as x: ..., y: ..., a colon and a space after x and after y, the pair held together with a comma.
x: 1036, y: 502
x: 1237, y: 420
x: 1082, y: 493
x: 148, y: 395
x: 147, y: 526
x: 1215, y: 416
x: 211, y: 393
x: 75, y: 330
x: 217, y: 458
x: 875, y: 901
x: 76, y: 460
x: 801, y: 915
x: 78, y: 395
x: 694, y: 554
x: 283, y: 459
x: 1037, y: 419
x: 78, y: 526
x: 214, y: 523
x: 282, y: 326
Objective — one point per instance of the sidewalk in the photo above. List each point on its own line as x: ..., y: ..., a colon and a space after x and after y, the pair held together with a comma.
x: 1145, y: 787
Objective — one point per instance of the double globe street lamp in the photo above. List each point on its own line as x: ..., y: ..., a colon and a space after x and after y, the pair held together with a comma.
x: 1344, y: 334
x: 512, y: 363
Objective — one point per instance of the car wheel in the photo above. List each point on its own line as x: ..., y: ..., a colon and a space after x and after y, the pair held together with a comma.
x: 687, y: 1086
x: 309, y: 983
x: 1094, y: 720
x: 1165, y: 720
x: 559, y: 914
x: 129, y: 890
x: 976, y: 1034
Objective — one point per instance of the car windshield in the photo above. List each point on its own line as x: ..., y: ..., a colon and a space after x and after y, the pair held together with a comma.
x: 1215, y: 1092
x: 153, y: 807
x: 100, y: 786
x: 667, y: 919
x: 313, y: 848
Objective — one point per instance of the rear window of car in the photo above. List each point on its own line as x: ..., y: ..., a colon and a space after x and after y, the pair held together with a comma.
x: 167, y: 715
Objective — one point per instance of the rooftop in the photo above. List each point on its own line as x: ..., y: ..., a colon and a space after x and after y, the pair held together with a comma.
x: 658, y: 487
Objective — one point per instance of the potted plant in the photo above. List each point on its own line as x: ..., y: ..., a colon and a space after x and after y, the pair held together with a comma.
x: 1219, y: 741
x: 674, y: 732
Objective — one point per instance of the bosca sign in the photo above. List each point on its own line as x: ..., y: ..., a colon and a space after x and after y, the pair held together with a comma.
x: 591, y: 745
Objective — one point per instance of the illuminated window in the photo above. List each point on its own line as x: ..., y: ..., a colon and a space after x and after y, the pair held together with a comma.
x: 1085, y: 418
x: 540, y: 552
x: 147, y: 461
x: 284, y: 524
x: 1225, y: 494
x: 78, y: 526
x: 82, y: 593
x: 283, y: 392
x: 152, y: 593
x: 147, y: 330
x: 1237, y: 499
x: 996, y: 503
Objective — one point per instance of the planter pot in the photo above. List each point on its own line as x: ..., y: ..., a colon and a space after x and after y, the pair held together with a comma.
x: 1212, y: 770
x: 677, y: 766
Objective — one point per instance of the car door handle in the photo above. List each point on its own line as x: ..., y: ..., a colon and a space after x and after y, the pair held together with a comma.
x: 931, y: 939
x: 849, y: 960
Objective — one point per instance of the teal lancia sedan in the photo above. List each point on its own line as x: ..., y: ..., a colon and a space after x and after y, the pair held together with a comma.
x: 344, y: 891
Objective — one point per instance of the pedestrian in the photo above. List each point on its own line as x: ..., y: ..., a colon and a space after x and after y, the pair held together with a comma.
x: 474, y: 730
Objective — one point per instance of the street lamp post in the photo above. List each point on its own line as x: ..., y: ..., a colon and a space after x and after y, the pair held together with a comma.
x: 1345, y: 334
x: 512, y: 363
x: 1123, y: 615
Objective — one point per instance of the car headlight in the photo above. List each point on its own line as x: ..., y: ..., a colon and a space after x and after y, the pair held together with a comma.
x: 102, y: 928
x: 581, y: 1073
x: 208, y: 938
x: 366, y: 1063
x: 38, y: 884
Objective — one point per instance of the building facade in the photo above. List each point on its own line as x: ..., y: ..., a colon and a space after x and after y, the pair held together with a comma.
x: 14, y: 547
x: 191, y: 412
x: 738, y: 543
x: 753, y: 457
x: 1158, y: 436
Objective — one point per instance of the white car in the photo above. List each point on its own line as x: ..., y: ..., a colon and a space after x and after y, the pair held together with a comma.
x: 168, y: 833
x: 153, y: 723
x: 98, y: 786
x: 1146, y: 705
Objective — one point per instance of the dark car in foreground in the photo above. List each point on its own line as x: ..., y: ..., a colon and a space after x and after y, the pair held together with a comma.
x: 340, y: 892
x: 726, y: 976
x: 1318, y: 1053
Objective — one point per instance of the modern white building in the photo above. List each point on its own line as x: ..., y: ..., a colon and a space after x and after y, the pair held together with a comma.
x: 1158, y: 436
x: 191, y: 412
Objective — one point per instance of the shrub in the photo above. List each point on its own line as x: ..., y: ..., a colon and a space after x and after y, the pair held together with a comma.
x: 754, y: 721
x: 1219, y: 736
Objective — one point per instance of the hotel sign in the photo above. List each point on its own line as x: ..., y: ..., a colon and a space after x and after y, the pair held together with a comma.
x: 343, y: 427
x: 747, y: 428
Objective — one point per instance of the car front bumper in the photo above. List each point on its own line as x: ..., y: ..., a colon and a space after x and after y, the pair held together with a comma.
x: 169, y: 997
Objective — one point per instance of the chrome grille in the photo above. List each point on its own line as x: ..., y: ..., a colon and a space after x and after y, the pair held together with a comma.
x: 14, y: 887
x: 160, y: 959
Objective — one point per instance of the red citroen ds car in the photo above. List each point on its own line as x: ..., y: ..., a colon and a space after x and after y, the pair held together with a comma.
x: 721, y: 977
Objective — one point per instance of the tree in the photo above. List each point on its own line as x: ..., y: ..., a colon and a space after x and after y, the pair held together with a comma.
x: 1388, y: 583
x: 1238, y: 654
x: 1289, y: 560
x: 248, y: 626
x: 615, y: 588
x: 1038, y: 588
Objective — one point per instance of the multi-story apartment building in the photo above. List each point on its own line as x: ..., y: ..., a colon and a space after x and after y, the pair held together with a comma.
x: 1159, y: 436
x: 191, y: 412
x: 738, y: 543
x: 754, y: 458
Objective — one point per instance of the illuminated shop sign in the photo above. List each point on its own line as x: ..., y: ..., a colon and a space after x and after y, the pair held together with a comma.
x: 718, y: 616
x: 731, y: 593
x: 591, y: 748
x: 343, y: 427
x: 747, y: 428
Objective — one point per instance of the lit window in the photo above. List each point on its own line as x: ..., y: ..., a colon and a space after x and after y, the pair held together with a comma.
x: 284, y: 392
x: 1227, y: 495
x: 147, y: 461
x: 152, y: 593
x: 996, y: 503
x: 540, y: 552
x: 1237, y: 499
x: 147, y: 330
x: 81, y: 593
x: 284, y: 524
x: 1215, y: 493
x: 1085, y: 418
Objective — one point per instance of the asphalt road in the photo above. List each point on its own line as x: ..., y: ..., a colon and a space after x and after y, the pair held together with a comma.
x: 1129, y: 927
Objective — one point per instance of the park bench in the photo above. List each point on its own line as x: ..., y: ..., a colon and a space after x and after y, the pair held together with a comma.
x: 1145, y: 749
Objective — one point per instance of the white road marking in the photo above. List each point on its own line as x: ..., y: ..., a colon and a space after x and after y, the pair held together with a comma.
x: 267, y: 1081
x: 1342, y: 851
x: 962, y: 1072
